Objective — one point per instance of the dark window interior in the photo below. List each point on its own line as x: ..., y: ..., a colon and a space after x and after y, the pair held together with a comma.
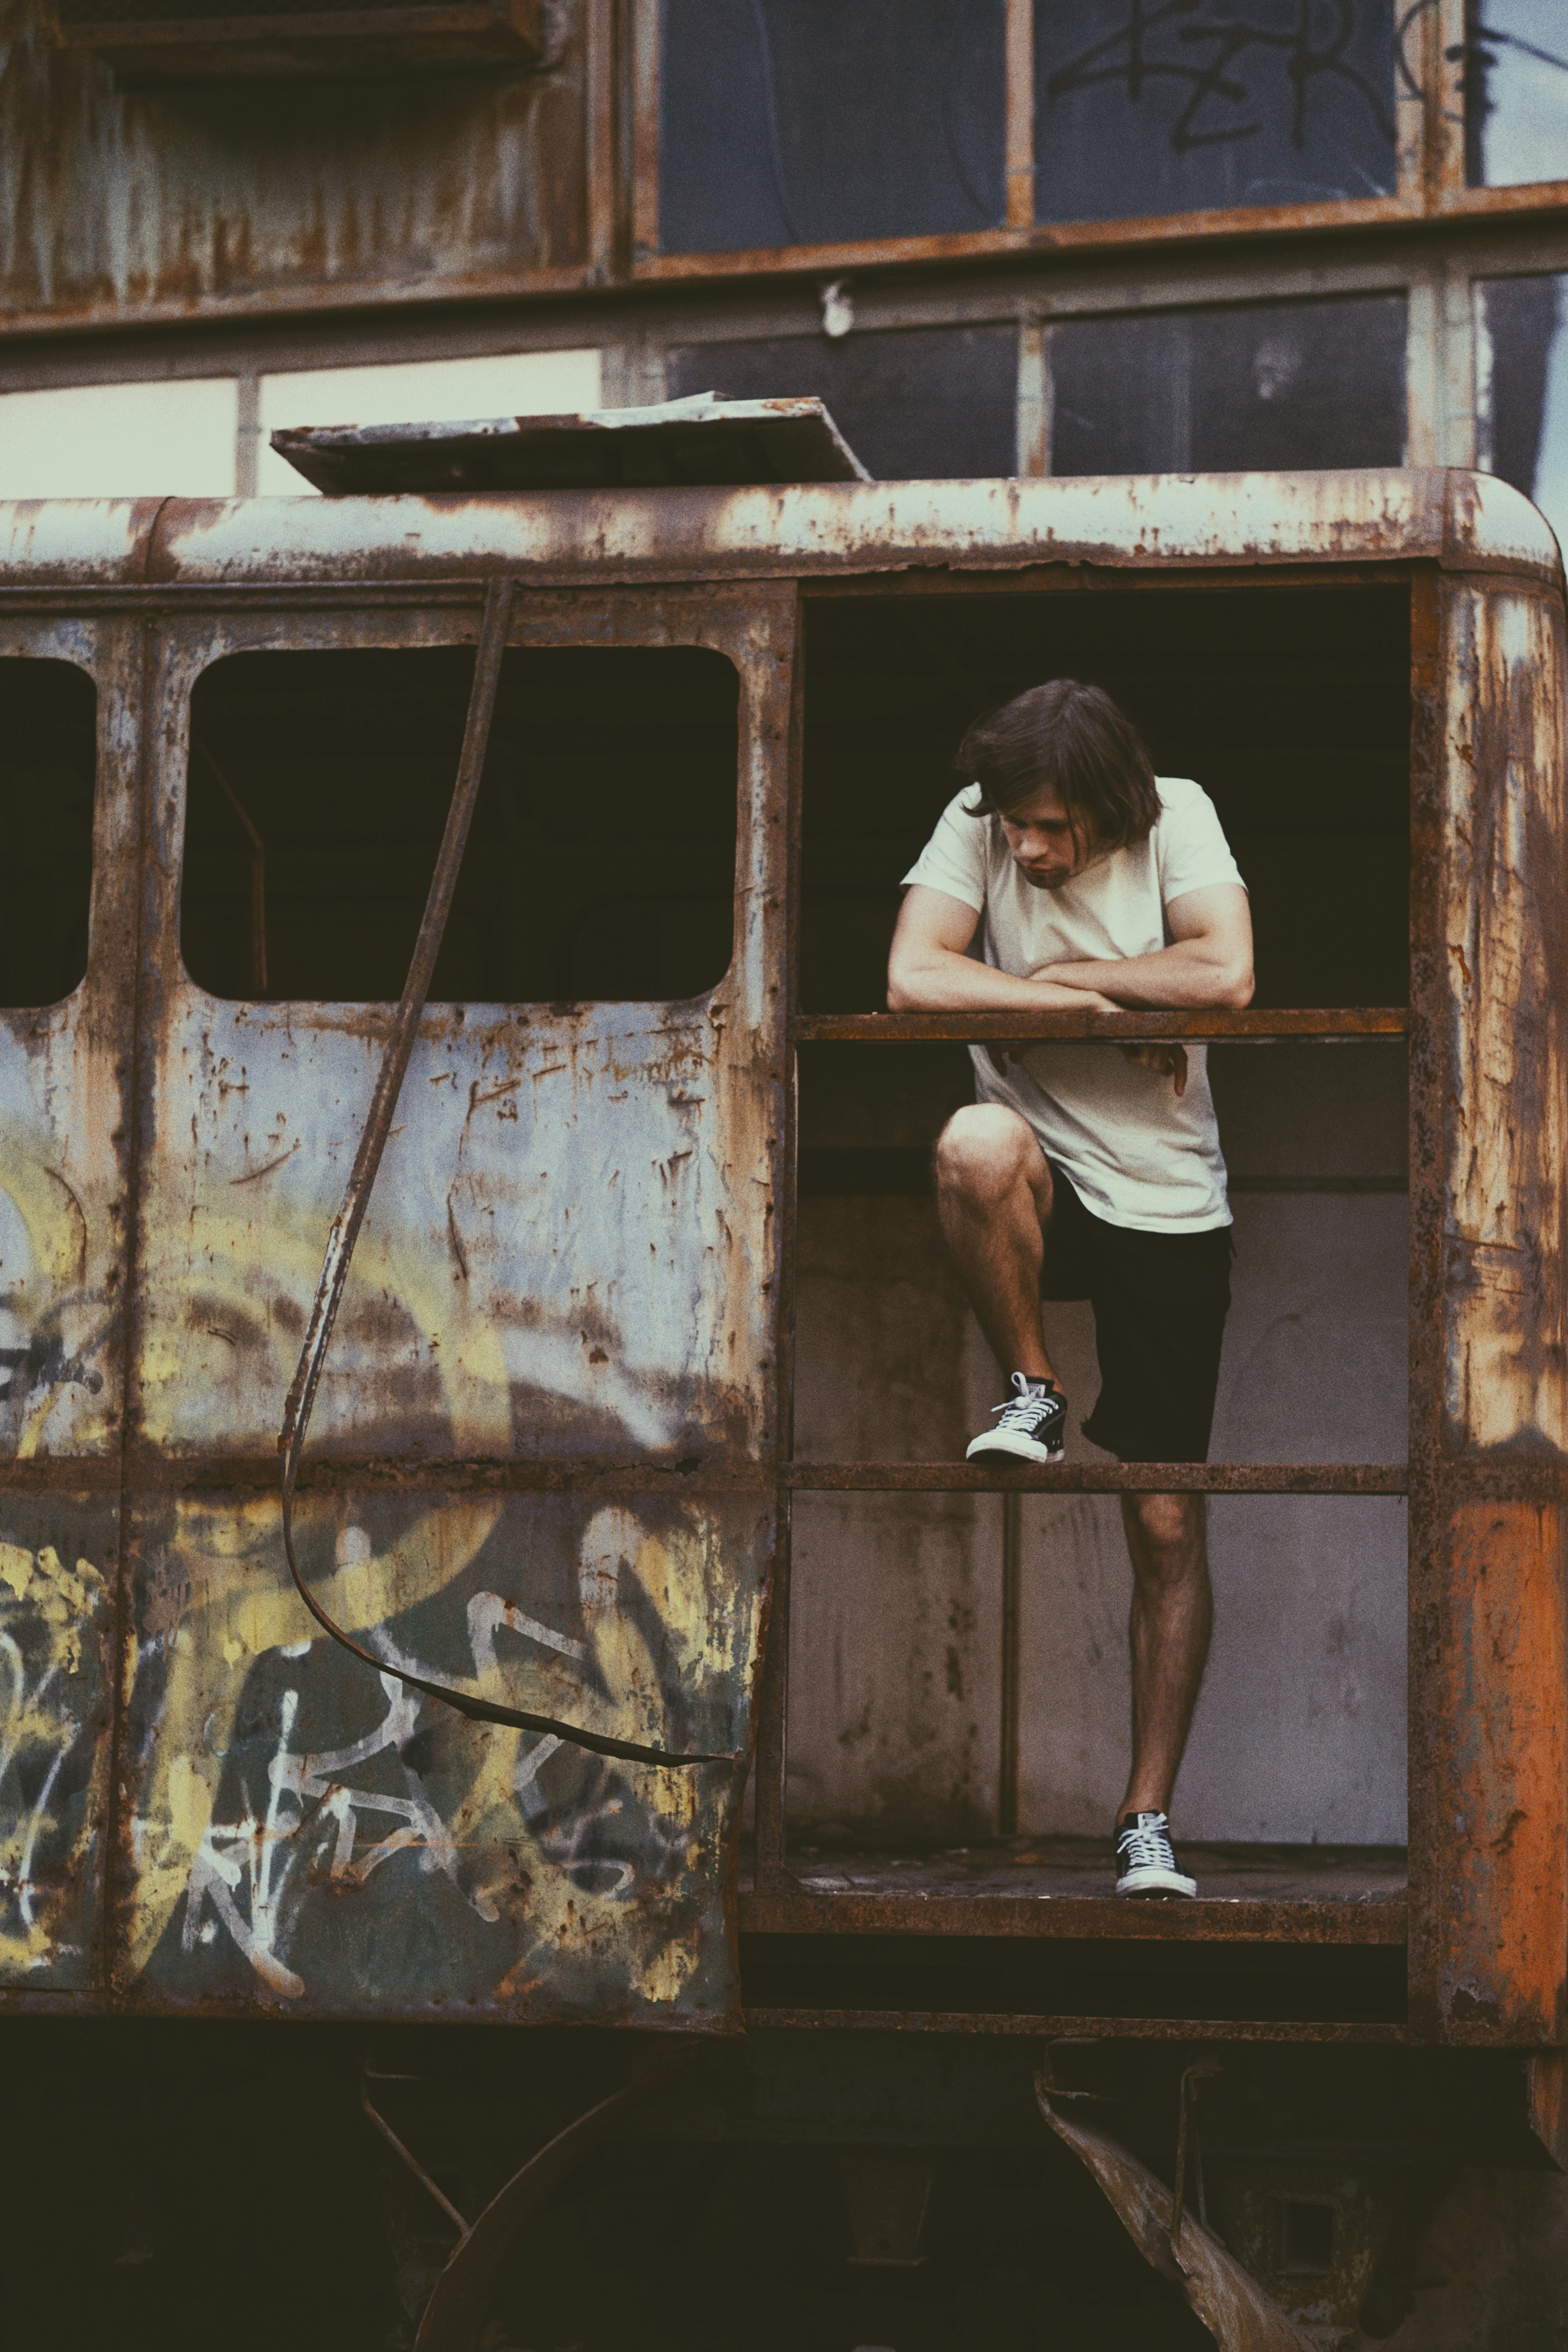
x: 1264, y: 385
x: 808, y: 122
x: 1291, y: 707
x: 48, y: 720
x: 602, y: 859
x: 1202, y: 104
x: 915, y: 404
x: 1523, y: 317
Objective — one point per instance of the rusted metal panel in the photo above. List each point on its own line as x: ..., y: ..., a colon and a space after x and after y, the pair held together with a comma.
x: 1078, y: 2026
x: 413, y: 35
x: 300, y: 1834
x: 1508, y: 947
x: 673, y: 443
x: 64, y: 1081
x: 129, y: 204
x: 570, y: 1252
x: 1135, y: 522
x: 1469, y: 521
x: 64, y: 1155
x: 58, y: 1575
x: 1489, y: 1638
x: 1100, y: 1477
x: 1502, y: 1898
x: 69, y: 542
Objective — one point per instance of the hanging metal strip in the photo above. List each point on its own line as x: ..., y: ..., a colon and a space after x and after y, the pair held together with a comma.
x: 356, y: 1199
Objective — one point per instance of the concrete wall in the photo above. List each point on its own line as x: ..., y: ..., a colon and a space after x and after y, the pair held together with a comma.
x: 896, y: 1622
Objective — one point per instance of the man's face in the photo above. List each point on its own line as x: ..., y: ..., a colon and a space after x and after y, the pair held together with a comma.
x: 1044, y: 845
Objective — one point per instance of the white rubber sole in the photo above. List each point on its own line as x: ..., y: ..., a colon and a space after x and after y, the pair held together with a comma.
x: 1153, y: 1881
x: 1017, y: 1449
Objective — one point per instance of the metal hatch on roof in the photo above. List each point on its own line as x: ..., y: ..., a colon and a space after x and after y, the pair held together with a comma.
x: 701, y: 441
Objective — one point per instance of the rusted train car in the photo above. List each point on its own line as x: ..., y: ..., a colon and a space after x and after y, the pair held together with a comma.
x: 568, y: 1412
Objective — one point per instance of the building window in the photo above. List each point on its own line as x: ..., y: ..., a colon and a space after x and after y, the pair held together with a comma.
x: 601, y: 863
x: 912, y: 405
x: 495, y: 384
x: 168, y: 437
x: 48, y: 757
x: 1522, y: 390
x: 1516, y: 112
x: 1265, y: 384
x: 1177, y: 106
x: 810, y: 122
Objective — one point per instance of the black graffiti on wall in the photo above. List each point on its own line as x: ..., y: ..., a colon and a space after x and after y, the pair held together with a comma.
x: 1218, y: 59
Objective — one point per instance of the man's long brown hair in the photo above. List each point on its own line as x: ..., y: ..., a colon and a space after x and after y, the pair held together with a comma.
x: 1074, y: 737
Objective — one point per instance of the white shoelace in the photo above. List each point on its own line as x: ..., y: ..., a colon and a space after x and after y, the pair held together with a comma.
x: 1025, y: 1411
x: 1147, y: 1846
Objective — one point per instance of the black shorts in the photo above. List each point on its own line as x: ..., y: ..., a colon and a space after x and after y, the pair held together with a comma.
x: 1160, y: 1302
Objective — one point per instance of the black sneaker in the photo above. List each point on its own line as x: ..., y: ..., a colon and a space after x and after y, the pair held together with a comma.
x: 1145, y: 1859
x: 1030, y: 1427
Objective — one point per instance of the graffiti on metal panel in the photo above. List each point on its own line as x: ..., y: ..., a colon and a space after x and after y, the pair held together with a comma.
x: 252, y: 1818
x: 47, y: 1612
x: 1215, y: 62
x: 54, y: 1330
x: 308, y: 1830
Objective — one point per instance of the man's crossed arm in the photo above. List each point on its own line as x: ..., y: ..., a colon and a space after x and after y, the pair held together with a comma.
x: 1208, y: 963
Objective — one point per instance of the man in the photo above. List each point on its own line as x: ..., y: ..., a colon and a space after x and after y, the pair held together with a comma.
x: 1087, y: 1169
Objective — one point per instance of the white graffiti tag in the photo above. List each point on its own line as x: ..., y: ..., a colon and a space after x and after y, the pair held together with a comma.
x: 250, y: 1870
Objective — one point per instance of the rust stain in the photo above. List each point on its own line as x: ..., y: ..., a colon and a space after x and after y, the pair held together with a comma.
x: 254, y: 1175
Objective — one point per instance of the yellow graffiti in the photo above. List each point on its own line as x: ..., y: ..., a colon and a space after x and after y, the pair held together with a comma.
x: 222, y: 1335
x: 50, y: 1600
x: 48, y: 1208
x: 236, y: 1603
x: 219, y: 1357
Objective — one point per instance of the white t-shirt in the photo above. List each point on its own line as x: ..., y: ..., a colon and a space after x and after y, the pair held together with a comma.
x: 1136, y: 1154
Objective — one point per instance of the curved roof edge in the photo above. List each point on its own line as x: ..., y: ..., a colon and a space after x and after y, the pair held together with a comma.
x: 1463, y: 520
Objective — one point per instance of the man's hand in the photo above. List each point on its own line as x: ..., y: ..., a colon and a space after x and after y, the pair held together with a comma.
x: 1169, y: 1061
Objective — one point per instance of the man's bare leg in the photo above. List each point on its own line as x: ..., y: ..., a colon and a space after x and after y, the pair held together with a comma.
x: 994, y: 1197
x: 1173, y: 1613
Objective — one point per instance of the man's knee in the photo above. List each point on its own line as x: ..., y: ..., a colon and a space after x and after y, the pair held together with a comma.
x: 1170, y: 1533
x: 984, y: 1151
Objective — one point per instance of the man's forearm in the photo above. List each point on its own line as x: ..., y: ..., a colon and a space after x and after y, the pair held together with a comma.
x: 1188, y: 976
x: 945, y: 982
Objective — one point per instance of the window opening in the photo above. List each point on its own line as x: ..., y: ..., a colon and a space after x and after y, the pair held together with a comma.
x: 806, y: 123
x: 1522, y: 389
x: 1260, y: 386
x: 914, y: 404
x: 1204, y: 105
x: 902, y: 1642
x: 600, y: 865
x: 1515, y: 92
x: 48, y: 729
x: 1227, y: 686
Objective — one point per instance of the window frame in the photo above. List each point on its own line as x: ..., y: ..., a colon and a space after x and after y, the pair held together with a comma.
x: 1431, y: 165
x: 542, y: 620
